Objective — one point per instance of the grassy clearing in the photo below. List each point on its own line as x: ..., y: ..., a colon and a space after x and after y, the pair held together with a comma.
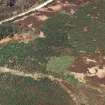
x: 59, y: 65
x: 25, y: 91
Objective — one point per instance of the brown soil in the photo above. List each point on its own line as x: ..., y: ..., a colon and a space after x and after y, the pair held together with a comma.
x: 91, y: 65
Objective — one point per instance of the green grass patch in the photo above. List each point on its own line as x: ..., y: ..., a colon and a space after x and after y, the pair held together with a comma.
x: 60, y: 64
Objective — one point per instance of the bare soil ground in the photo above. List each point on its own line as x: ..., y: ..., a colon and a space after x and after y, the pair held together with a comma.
x: 91, y: 65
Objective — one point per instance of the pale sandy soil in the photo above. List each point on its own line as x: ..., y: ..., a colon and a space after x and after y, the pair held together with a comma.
x: 5, y: 40
x: 79, y: 76
x: 56, y: 8
x: 42, y: 18
x: 96, y: 71
x: 21, y: 38
x: 34, y: 76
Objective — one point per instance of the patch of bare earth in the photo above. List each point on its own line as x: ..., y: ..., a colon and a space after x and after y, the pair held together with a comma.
x: 92, y: 66
x: 24, y: 37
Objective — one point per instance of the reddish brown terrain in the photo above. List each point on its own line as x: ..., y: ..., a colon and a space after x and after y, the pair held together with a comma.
x: 91, y: 65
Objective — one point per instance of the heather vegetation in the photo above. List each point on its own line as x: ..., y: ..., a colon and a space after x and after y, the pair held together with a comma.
x: 8, y: 29
x: 84, y: 31
x: 65, y: 36
x: 16, y: 90
x: 80, y: 33
x: 69, y: 46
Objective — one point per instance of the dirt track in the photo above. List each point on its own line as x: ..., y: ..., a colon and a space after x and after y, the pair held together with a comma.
x: 27, y: 12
